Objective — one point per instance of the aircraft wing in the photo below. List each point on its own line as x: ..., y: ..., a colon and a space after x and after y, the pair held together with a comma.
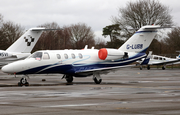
x: 146, y: 60
x: 164, y: 63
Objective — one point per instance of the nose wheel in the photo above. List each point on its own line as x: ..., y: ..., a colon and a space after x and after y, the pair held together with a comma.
x: 23, y: 81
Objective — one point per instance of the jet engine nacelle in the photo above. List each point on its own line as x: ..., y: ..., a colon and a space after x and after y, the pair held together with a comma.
x: 111, y: 54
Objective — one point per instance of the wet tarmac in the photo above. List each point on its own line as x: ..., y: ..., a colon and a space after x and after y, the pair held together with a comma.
x: 128, y: 91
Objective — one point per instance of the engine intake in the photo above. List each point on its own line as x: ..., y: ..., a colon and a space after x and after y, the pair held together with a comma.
x: 111, y: 54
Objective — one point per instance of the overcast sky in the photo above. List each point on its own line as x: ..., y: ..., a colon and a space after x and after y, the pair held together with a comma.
x: 95, y: 13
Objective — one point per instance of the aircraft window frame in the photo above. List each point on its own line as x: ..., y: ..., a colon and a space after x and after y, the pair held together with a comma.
x: 73, y: 56
x: 155, y: 57
x: 58, y: 56
x: 46, y: 56
x: 37, y: 55
x: 160, y: 58
x: 65, y: 56
x: 80, y: 55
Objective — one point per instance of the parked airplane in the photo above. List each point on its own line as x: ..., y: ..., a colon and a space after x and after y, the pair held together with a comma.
x: 21, y: 48
x: 157, y: 60
x: 87, y: 62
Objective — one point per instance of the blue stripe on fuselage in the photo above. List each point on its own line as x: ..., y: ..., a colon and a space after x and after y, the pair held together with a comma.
x: 72, y: 69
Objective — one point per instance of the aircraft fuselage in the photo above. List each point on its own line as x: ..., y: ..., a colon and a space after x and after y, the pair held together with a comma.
x: 70, y: 62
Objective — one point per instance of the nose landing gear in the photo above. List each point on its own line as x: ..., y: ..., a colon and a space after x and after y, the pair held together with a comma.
x: 23, y: 81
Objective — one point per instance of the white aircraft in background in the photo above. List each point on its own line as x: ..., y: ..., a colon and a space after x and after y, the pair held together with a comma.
x: 158, y: 60
x: 21, y: 48
x: 87, y: 62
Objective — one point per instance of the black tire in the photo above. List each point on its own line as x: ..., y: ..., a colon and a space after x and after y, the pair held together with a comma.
x: 148, y: 67
x: 96, y: 81
x: 27, y: 84
x: 19, y: 84
x: 69, y: 79
x: 163, y: 68
x: 23, y: 81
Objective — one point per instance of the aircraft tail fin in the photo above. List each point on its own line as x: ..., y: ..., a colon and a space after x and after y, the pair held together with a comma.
x: 141, y: 40
x: 146, y: 60
x: 27, y: 41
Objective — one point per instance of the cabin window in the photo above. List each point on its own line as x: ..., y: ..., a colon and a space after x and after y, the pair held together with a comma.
x: 160, y: 58
x: 80, y: 55
x: 46, y: 55
x: 156, y: 58
x: 36, y: 55
x: 58, y: 56
x: 65, y: 56
x: 73, y: 56
x: 164, y: 58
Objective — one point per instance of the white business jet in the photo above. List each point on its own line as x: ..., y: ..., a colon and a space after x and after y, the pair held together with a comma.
x: 21, y: 48
x: 87, y: 62
x: 158, y: 60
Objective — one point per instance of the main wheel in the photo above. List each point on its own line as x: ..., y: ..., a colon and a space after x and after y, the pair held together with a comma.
x: 140, y: 68
x: 148, y: 67
x: 163, y: 68
x: 69, y: 78
x: 97, y: 81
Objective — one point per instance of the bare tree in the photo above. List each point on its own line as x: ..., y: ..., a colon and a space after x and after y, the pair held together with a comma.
x: 9, y: 32
x: 100, y: 43
x: 49, y: 39
x: 172, y: 41
x: 65, y: 38
x: 156, y: 46
x: 140, y: 13
x: 81, y: 35
x: 1, y: 32
x: 68, y: 37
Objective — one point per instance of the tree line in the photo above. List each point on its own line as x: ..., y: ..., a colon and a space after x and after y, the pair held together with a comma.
x: 140, y: 13
x: 75, y: 36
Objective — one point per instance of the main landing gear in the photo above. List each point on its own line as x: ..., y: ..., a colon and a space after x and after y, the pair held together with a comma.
x: 68, y: 78
x: 23, y: 81
x: 163, y: 67
x: 148, y: 67
x: 97, y: 78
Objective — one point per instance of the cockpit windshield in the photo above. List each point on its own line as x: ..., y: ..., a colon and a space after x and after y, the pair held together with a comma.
x: 36, y: 55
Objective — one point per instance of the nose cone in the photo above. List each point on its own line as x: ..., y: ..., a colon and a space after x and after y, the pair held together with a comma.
x: 8, y: 69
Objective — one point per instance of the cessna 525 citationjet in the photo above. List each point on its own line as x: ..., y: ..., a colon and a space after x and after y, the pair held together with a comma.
x: 87, y: 62
x: 21, y: 48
